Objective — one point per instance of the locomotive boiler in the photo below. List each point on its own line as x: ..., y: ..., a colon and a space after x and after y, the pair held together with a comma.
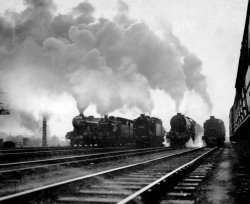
x: 214, y: 132
x: 182, y: 129
x: 148, y: 131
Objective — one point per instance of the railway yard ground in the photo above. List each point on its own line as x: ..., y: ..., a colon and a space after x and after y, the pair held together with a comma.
x: 221, y: 178
x: 228, y: 182
x: 39, y: 177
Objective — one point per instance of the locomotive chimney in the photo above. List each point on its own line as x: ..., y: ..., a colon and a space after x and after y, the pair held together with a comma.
x: 212, y: 117
x: 44, y: 140
x: 178, y: 113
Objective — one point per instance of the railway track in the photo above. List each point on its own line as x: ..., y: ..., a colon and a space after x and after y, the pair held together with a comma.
x: 28, y: 166
x: 136, y: 183
x: 15, y: 155
x: 35, y: 149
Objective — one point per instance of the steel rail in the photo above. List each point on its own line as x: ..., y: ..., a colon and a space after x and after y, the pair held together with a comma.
x: 42, y: 149
x: 164, y: 179
x: 76, y: 159
x: 34, y: 149
x: 25, y: 156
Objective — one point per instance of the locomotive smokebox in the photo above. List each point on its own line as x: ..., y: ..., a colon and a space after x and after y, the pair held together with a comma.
x: 79, y: 121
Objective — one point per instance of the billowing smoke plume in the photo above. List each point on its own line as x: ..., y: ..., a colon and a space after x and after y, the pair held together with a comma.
x: 195, y: 80
x: 109, y: 63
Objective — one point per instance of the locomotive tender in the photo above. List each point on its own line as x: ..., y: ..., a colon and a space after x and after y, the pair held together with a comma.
x: 239, y: 116
x: 214, y: 132
x: 182, y: 129
x: 116, y: 131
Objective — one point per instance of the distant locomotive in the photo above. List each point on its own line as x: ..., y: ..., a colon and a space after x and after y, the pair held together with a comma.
x: 182, y: 129
x: 148, y: 131
x: 214, y: 132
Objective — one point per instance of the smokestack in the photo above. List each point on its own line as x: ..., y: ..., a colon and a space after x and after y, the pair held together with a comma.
x: 44, y: 132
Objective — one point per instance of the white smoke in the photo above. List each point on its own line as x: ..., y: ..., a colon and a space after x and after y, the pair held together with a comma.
x: 197, y: 142
x: 113, y: 64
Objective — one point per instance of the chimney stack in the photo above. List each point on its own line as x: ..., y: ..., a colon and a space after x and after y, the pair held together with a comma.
x: 44, y: 141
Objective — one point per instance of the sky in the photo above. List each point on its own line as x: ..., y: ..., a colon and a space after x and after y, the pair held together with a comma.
x: 120, y: 58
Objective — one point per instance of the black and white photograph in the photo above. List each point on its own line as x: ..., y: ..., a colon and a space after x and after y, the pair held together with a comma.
x: 125, y: 101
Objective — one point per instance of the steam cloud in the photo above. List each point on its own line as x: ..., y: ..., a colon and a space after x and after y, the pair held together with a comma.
x: 109, y: 63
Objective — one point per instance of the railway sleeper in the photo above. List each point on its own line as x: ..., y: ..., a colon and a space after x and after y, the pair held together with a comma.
x: 109, y: 190
x: 183, y: 191
x: 88, y: 200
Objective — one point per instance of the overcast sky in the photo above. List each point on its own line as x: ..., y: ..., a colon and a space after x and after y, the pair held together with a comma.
x: 208, y: 31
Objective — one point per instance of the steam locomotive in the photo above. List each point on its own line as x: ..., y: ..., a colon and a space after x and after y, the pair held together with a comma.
x: 214, y: 132
x: 116, y: 131
x: 90, y: 131
x: 148, y: 131
x: 182, y: 129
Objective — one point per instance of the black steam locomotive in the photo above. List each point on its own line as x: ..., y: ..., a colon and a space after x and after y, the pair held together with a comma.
x: 214, y: 132
x: 90, y: 131
x: 148, y: 131
x: 116, y: 131
x: 182, y: 129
